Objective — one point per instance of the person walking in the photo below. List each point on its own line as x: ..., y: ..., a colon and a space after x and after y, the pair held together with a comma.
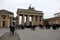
x: 12, y: 29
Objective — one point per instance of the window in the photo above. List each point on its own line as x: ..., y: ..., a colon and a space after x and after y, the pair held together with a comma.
x: 3, y: 16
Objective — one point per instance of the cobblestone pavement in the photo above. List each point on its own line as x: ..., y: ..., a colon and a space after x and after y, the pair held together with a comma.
x: 7, y: 36
x: 38, y: 34
x: 3, y: 31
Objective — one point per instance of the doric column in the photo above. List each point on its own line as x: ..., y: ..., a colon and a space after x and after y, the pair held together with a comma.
x: 27, y: 20
x: 0, y: 20
x: 17, y: 20
x: 41, y: 20
x: 33, y: 20
x: 38, y: 21
x: 22, y: 20
x: 11, y: 20
x: 7, y: 24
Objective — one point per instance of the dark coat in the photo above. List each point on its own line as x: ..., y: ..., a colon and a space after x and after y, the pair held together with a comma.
x: 12, y: 28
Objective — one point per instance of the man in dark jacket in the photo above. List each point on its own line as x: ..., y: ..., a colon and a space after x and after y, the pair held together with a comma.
x: 12, y: 29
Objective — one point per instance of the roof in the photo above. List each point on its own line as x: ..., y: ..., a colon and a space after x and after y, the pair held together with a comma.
x: 57, y: 13
x: 53, y: 18
x: 3, y: 10
x: 28, y: 10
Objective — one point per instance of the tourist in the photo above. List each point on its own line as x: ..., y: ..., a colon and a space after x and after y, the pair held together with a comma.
x: 12, y: 29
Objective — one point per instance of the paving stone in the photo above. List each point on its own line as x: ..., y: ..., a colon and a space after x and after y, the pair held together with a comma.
x: 7, y: 36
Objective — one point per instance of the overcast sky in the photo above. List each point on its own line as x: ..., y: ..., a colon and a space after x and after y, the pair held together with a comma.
x: 49, y: 7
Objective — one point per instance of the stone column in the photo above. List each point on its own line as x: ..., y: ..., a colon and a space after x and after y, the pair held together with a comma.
x: 22, y: 20
x: 38, y: 21
x: 7, y: 22
x: 17, y: 20
x: 0, y: 20
x: 11, y: 21
x: 33, y: 20
x: 41, y: 20
x: 27, y: 20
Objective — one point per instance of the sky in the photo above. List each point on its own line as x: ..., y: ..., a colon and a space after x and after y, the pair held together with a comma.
x: 49, y: 7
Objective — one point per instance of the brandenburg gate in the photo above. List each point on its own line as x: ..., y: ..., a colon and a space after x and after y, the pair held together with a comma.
x: 36, y: 16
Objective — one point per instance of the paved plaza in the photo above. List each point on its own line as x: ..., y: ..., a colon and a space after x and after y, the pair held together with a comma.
x: 39, y: 34
x: 28, y: 34
x: 3, y: 31
x: 7, y: 36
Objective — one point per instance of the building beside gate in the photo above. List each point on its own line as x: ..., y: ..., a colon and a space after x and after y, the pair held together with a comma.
x: 54, y: 20
x: 6, y: 18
